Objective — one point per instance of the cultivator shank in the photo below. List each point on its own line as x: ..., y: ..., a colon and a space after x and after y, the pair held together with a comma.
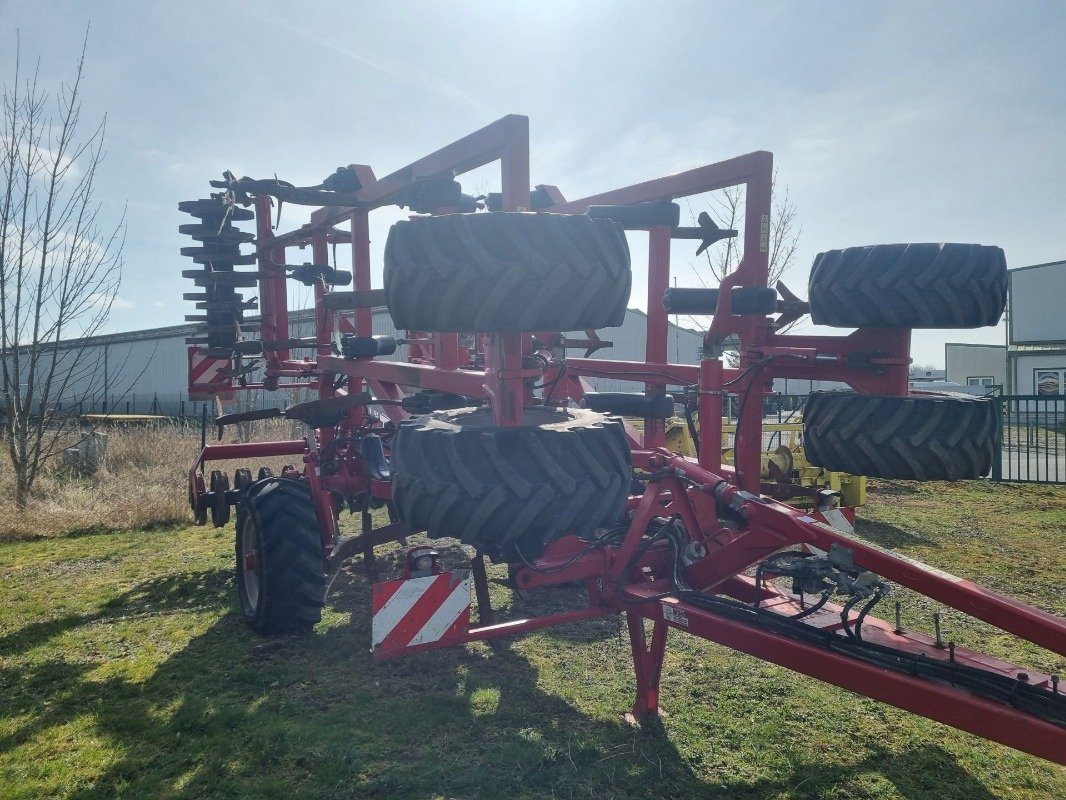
x: 488, y: 430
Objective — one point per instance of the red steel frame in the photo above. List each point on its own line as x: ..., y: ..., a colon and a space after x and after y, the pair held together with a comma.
x: 872, y: 361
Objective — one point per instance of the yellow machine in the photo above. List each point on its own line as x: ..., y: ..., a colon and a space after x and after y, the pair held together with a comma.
x: 782, y: 459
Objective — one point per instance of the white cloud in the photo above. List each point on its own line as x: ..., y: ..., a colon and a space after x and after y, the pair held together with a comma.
x: 101, y: 299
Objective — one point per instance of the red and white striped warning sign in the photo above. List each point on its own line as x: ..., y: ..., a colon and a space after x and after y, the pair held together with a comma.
x: 420, y: 613
x: 206, y: 376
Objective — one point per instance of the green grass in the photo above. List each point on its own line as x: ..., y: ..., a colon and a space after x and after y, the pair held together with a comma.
x: 124, y: 672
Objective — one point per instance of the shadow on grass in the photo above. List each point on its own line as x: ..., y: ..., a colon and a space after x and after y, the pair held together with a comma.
x: 887, y: 535
x: 233, y: 715
x: 179, y: 591
x: 882, y: 486
x: 919, y: 773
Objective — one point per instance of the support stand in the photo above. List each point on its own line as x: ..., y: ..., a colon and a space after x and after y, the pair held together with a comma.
x: 368, y: 543
x: 648, y: 665
x: 481, y: 589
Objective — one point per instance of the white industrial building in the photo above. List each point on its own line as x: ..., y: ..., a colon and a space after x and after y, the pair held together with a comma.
x: 147, y: 371
x: 1036, y: 330
x: 1033, y: 361
x: 976, y: 366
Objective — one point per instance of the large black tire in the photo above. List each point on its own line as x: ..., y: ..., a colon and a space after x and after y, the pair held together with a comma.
x: 922, y: 438
x: 509, y: 491
x: 909, y: 286
x: 507, y: 272
x: 284, y: 590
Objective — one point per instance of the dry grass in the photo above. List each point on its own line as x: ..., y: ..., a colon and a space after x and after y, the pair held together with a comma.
x: 142, y: 484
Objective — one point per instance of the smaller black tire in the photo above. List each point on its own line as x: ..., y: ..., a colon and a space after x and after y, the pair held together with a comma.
x: 219, y: 502
x: 509, y: 491
x: 242, y: 479
x: 281, y: 580
x: 922, y: 437
x: 507, y: 272
x: 196, y: 501
x: 909, y: 286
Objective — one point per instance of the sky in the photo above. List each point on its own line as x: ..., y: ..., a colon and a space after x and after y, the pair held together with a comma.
x: 889, y: 122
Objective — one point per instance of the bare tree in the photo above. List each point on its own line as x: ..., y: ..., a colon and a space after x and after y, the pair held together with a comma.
x: 727, y: 210
x: 60, y: 266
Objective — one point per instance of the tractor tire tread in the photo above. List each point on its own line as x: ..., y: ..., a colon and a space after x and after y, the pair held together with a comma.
x: 922, y: 438
x: 909, y: 286
x: 291, y: 552
x: 505, y: 272
x: 509, y: 491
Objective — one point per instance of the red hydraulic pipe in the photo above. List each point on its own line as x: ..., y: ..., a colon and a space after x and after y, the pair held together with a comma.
x: 364, y: 317
x: 273, y: 302
x: 524, y: 625
x: 323, y: 326
x: 710, y: 414
x: 657, y: 324
x: 323, y: 315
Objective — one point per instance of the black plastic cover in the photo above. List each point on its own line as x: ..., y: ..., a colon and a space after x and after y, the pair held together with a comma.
x: 690, y: 301
x: 367, y: 346
x: 753, y: 301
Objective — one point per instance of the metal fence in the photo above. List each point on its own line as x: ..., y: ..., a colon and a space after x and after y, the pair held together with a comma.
x: 1032, y: 439
x: 173, y: 405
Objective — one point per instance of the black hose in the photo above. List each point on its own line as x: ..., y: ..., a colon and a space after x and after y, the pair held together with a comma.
x: 844, y: 615
x: 866, y: 610
x: 692, y: 432
x: 816, y: 607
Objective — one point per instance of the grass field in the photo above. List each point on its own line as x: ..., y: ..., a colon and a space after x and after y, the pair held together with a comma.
x: 124, y: 672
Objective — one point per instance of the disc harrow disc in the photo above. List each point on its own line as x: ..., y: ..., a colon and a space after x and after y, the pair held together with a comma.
x: 211, y: 234
x: 204, y: 277
x: 212, y: 208
x: 219, y: 502
x: 242, y: 479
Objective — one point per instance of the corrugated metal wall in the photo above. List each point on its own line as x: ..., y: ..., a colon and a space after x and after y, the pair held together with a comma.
x: 630, y: 344
x: 144, y: 367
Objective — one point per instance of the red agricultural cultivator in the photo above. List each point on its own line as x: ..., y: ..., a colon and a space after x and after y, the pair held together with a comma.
x: 488, y: 431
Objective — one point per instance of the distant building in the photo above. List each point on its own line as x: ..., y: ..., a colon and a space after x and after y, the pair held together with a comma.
x: 1033, y: 361
x: 1036, y: 330
x: 982, y: 366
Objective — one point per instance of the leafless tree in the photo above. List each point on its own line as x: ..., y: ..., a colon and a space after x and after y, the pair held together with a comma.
x: 60, y: 264
x: 727, y: 210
